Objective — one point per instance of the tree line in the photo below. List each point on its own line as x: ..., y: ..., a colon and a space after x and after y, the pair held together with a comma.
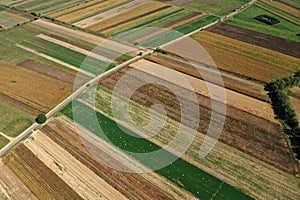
x: 278, y: 93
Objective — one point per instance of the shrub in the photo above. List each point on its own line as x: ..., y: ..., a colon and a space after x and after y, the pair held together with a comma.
x: 41, y: 118
x: 267, y: 19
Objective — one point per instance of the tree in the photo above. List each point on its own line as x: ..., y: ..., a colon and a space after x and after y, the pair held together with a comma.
x: 41, y: 119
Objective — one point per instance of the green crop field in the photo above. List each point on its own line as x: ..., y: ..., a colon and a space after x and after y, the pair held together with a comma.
x: 66, y: 55
x: 219, y: 8
x: 13, y: 121
x: 3, y: 141
x: 284, y: 29
x: 184, y: 29
x: 180, y: 172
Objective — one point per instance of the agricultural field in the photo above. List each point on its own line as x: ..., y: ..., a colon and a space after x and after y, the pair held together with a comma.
x: 41, y: 7
x: 284, y: 29
x: 218, y: 8
x: 257, y: 63
x: 13, y: 121
x: 10, y: 18
x: 11, y: 187
x: 287, y: 47
x: 81, y: 63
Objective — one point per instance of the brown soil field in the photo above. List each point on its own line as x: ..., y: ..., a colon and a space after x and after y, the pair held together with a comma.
x: 253, y: 135
x: 267, y: 41
x: 39, y: 179
x: 223, y: 162
x: 31, y: 88
x: 231, y: 82
x: 20, y: 105
x: 283, y: 7
x: 254, y: 62
x: 52, y: 72
x: 11, y: 187
x: 133, y: 186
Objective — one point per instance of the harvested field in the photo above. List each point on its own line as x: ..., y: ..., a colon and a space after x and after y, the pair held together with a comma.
x: 231, y: 82
x: 43, y: 93
x: 10, y: 19
x: 243, y: 131
x: 269, y: 65
x: 133, y: 186
x: 11, y: 187
x: 234, y: 99
x: 19, y: 105
x: 86, y: 36
x: 52, y: 72
x: 37, y: 177
x: 111, y: 13
x: 12, y: 120
x: 79, y: 13
x: 295, y: 92
x: 190, y: 181
x: 255, y: 176
x: 45, y: 7
x: 296, y: 105
x: 256, y: 38
x: 129, y: 15
x: 88, y: 185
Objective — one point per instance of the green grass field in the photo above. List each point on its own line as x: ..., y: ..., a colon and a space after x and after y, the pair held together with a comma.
x: 219, y: 8
x: 284, y: 29
x: 3, y: 141
x: 180, y: 172
x: 1, y: 8
x: 291, y: 17
x: 13, y: 121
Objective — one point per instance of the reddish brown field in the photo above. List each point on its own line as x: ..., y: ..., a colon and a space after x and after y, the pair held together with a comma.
x: 133, y: 186
x: 243, y: 131
x: 42, y: 182
x: 281, y: 45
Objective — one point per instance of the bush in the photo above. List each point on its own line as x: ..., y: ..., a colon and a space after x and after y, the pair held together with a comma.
x: 267, y: 19
x: 41, y: 119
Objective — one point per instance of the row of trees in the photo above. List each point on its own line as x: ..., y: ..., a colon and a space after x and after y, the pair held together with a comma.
x: 278, y: 93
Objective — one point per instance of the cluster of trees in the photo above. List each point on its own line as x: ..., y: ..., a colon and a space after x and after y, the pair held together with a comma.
x: 278, y: 93
x: 267, y: 19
